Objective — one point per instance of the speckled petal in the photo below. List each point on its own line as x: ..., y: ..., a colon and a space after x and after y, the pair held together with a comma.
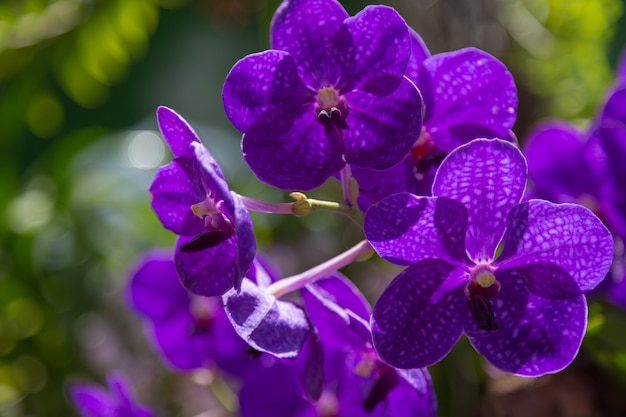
x: 410, y: 329
x: 305, y: 29
x: 405, y: 229
x: 173, y: 193
x: 339, y: 312
x: 543, y: 342
x: 301, y: 159
x: 263, y: 94
x: 419, y: 52
x: 382, y: 130
x: 563, y: 250
x: 209, y: 272
x: 176, y: 131
x: 488, y: 177
x: 467, y: 94
x: 372, y: 49
x: 267, y: 324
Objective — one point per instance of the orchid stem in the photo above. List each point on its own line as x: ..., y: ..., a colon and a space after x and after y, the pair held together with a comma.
x: 295, y: 282
x: 302, y: 207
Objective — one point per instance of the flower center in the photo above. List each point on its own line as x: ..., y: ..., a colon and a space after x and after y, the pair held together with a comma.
x: 331, y: 109
x: 328, y: 405
x: 481, y: 288
x: 218, y: 226
x: 426, y: 155
x: 202, y: 311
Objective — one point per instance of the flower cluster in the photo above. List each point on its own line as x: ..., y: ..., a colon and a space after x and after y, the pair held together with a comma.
x: 442, y: 182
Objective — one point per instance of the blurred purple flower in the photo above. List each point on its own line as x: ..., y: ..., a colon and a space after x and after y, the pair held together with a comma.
x: 467, y: 94
x: 94, y: 401
x: 330, y: 92
x: 356, y: 382
x: 522, y: 306
x: 567, y: 165
x: 188, y: 331
x: 216, y: 244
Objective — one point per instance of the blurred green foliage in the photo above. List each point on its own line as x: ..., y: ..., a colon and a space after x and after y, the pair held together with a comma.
x: 79, y: 83
x: 563, y: 51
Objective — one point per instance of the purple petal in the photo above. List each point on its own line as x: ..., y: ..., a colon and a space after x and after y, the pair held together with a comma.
x: 173, y: 193
x: 263, y: 94
x: 181, y: 345
x: 467, y: 94
x: 613, y: 140
x: 372, y: 48
x: 419, y: 52
x: 563, y: 250
x: 176, y: 131
x: 246, y: 242
x: 543, y: 342
x: 375, y: 185
x: 301, y: 159
x: 613, y: 203
x: 305, y: 29
x: 405, y: 229
x: 339, y: 312
x: 382, y: 130
x: 209, y: 272
x: 406, y: 401
x: 411, y: 329
x: 556, y: 164
x: 154, y: 289
x: 309, y: 367
x: 488, y: 177
x: 419, y: 379
x: 267, y: 324
x: 91, y: 400
x: 280, y: 398
x: 615, y: 107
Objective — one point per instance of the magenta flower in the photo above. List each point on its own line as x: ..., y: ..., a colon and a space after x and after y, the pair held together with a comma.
x: 330, y: 92
x: 467, y: 94
x: 94, y: 401
x: 522, y: 307
x: 216, y: 245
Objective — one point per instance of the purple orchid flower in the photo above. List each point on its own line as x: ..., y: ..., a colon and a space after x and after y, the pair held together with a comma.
x: 216, y: 244
x: 356, y: 382
x: 467, y: 94
x: 509, y: 275
x: 330, y: 92
x: 567, y: 165
x: 94, y: 401
x: 188, y: 331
